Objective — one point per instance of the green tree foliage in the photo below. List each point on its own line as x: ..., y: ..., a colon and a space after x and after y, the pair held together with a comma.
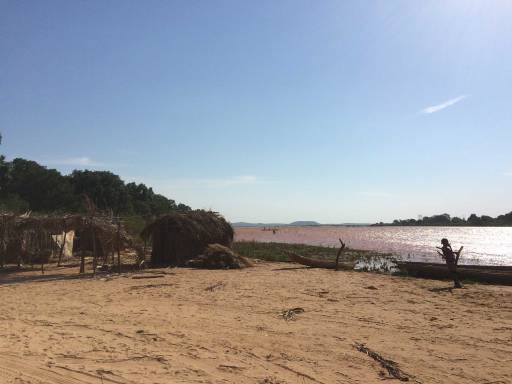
x: 43, y: 189
x: 105, y: 189
x: 146, y: 202
x: 445, y: 220
x: 26, y: 185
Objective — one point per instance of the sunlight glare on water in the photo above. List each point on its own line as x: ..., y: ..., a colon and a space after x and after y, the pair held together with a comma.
x: 482, y: 245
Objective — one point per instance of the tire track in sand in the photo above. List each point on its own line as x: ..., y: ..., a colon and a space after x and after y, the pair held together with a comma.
x: 17, y: 370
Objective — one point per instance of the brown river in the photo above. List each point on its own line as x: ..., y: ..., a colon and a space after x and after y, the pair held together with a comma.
x: 482, y: 245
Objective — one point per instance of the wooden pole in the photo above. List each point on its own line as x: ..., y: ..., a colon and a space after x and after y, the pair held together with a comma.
x: 62, y: 249
x: 339, y: 253
x: 118, y: 245
x: 82, y: 253
x: 4, y: 242
x: 458, y: 255
x: 94, y: 256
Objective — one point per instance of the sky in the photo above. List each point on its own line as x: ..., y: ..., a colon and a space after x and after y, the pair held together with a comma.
x: 269, y: 111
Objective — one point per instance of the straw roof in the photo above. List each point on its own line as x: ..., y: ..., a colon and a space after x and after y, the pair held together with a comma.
x: 16, y: 229
x: 180, y: 236
x: 55, y: 224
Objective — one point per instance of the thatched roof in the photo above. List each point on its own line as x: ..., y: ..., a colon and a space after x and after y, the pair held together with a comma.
x: 200, y: 224
x: 32, y: 237
x: 12, y: 225
x: 180, y: 236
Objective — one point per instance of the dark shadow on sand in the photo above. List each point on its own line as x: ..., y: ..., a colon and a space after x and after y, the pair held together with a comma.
x: 442, y: 289
x: 292, y: 268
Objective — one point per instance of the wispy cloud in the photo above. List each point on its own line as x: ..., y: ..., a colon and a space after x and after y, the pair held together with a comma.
x: 443, y: 105
x: 74, y: 161
x: 507, y: 173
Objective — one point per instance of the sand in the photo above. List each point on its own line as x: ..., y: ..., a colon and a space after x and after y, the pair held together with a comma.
x: 198, y: 326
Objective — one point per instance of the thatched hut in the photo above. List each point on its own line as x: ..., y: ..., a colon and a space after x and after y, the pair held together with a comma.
x: 179, y: 237
x: 32, y: 237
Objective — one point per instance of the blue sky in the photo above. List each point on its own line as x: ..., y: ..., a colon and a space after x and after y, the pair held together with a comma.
x: 336, y: 111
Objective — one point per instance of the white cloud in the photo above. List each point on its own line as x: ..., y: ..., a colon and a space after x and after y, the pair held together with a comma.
x: 74, y: 161
x: 446, y: 104
x: 507, y: 173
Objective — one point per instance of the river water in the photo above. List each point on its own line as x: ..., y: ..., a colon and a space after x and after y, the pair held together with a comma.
x: 482, y: 245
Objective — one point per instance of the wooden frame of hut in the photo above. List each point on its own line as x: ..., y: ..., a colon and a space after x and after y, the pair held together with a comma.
x: 181, y: 236
x: 30, y: 238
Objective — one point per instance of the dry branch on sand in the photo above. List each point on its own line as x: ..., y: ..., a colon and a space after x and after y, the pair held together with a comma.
x: 318, y: 263
x: 389, y: 365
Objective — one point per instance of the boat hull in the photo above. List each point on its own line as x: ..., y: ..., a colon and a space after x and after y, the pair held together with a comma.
x: 481, y: 273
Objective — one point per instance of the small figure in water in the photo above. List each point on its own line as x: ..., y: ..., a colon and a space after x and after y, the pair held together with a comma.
x: 451, y: 259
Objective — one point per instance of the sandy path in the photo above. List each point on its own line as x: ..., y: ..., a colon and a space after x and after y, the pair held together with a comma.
x: 173, y: 329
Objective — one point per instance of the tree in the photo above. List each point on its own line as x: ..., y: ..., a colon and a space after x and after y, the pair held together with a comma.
x: 105, y: 189
x: 43, y: 189
x: 474, y: 220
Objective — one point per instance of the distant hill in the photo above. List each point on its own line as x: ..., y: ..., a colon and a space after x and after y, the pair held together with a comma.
x: 294, y: 224
x: 303, y: 223
x: 244, y: 224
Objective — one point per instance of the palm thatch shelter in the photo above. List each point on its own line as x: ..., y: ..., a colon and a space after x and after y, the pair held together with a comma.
x: 31, y: 238
x: 180, y: 236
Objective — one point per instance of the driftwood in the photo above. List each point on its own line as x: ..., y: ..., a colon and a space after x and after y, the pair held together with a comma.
x: 339, y: 253
x: 318, y: 263
x: 389, y: 365
x: 138, y: 277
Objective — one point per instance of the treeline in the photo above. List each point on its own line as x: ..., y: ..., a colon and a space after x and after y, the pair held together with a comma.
x: 446, y: 220
x: 28, y: 186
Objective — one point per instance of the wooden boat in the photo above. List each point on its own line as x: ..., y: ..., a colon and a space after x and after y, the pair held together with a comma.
x: 319, y: 263
x: 483, y: 273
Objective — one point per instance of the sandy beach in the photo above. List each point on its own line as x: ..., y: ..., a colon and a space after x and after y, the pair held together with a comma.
x: 225, y: 326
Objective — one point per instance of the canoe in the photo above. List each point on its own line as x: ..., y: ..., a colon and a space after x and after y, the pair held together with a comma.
x: 319, y: 263
x: 481, y: 273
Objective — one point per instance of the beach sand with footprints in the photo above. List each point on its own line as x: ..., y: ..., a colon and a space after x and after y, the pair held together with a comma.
x: 238, y: 326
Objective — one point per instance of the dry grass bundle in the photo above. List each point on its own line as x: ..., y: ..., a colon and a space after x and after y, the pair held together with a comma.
x: 179, y: 237
x: 216, y: 256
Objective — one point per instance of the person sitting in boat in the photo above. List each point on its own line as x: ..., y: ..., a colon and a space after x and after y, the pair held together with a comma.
x: 451, y: 259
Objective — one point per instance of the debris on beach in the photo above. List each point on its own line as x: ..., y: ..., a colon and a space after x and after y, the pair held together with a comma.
x: 217, y: 256
x: 290, y: 314
x: 215, y: 286
x: 389, y: 365
x: 372, y: 287
x: 138, y: 277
